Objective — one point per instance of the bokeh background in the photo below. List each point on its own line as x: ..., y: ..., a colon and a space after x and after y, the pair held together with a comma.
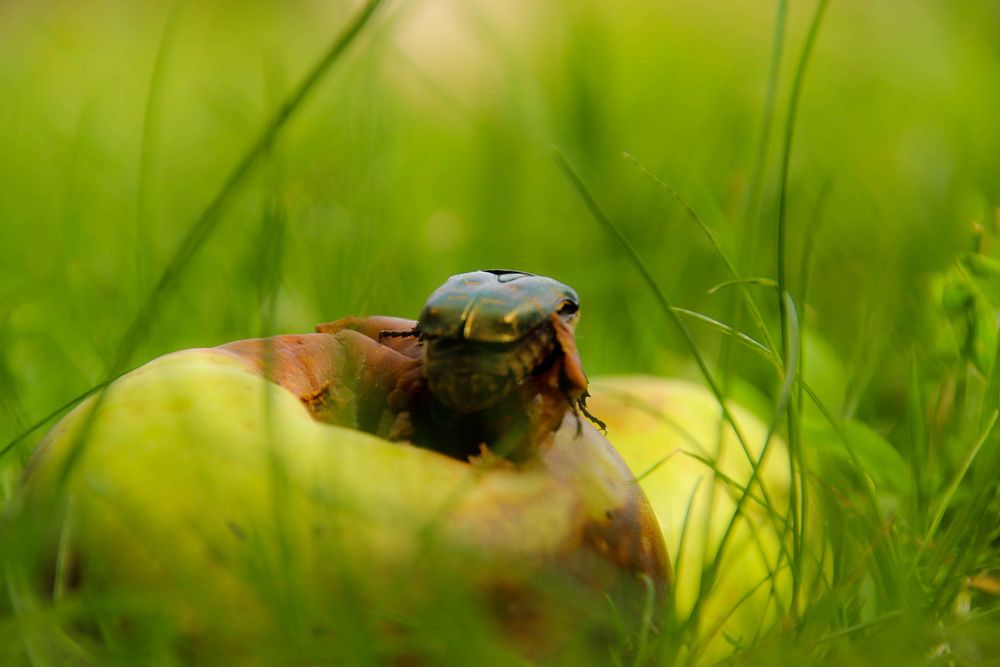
x: 429, y: 150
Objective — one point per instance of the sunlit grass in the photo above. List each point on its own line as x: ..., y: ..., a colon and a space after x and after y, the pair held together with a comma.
x: 847, y: 294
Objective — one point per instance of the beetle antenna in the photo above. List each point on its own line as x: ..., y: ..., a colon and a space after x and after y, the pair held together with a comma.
x: 382, y: 335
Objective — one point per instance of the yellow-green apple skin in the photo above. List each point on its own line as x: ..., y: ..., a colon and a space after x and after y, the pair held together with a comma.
x: 666, y: 430
x: 203, y: 492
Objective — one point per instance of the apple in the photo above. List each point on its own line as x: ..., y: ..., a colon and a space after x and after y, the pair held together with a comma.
x: 670, y: 432
x: 207, y: 509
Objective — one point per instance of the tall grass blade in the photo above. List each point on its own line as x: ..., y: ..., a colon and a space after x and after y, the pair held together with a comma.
x: 713, y: 239
x: 919, y: 448
x: 671, y: 645
x: 788, y: 327
x: 751, y: 343
x: 786, y: 155
x: 716, y: 390
x: 791, y: 523
x: 649, y: 607
x: 20, y: 437
x: 741, y: 282
x: 150, y: 123
x: 605, y: 222
x: 758, y: 170
x: 210, y: 218
x: 957, y: 479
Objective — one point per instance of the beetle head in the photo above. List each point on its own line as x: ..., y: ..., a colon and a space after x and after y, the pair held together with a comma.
x: 496, y: 306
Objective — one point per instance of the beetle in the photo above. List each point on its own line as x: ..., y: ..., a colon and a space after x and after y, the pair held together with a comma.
x: 487, y: 332
x: 490, y: 367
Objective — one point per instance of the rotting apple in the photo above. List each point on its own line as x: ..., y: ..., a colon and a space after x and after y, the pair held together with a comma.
x: 692, y: 467
x: 211, y: 499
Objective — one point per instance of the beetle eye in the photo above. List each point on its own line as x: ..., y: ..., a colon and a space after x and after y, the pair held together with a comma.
x: 568, y: 308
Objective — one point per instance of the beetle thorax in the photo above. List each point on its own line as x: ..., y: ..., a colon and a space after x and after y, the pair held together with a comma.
x: 469, y: 375
x: 485, y: 332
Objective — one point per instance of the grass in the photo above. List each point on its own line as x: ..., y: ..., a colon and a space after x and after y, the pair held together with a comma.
x: 866, y: 342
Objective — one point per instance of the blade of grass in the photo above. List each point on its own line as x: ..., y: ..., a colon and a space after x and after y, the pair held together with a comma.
x: 788, y: 380
x: 11, y: 410
x: 861, y: 626
x: 721, y: 621
x: 790, y: 522
x: 206, y: 223
x: 957, y: 480
x: 764, y: 140
x: 671, y: 647
x: 742, y: 489
x: 209, y: 220
x: 827, y: 414
x: 20, y: 437
x: 64, y: 557
x: 761, y: 350
x: 667, y: 308
x: 809, y: 245
x: 646, y: 624
x: 738, y: 279
x: 679, y: 560
x: 599, y: 215
x: 972, y: 531
x: 150, y: 122
x: 798, y: 501
x: 919, y: 446
x: 656, y: 466
x: 805, y: 268
x: 793, y: 106
x: 743, y: 338
x: 762, y: 282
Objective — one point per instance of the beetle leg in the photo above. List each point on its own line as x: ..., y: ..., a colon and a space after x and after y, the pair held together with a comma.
x: 572, y: 367
x: 373, y: 326
x: 576, y: 415
x: 369, y: 326
x: 414, y: 332
x: 573, y: 375
x: 578, y: 405
x: 581, y: 403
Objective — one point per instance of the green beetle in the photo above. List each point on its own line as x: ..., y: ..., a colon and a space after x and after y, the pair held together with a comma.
x: 487, y: 333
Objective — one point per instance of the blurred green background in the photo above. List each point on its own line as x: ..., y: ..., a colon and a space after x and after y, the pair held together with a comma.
x: 428, y: 152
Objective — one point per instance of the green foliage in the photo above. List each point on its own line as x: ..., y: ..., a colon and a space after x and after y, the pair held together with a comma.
x: 840, y: 178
